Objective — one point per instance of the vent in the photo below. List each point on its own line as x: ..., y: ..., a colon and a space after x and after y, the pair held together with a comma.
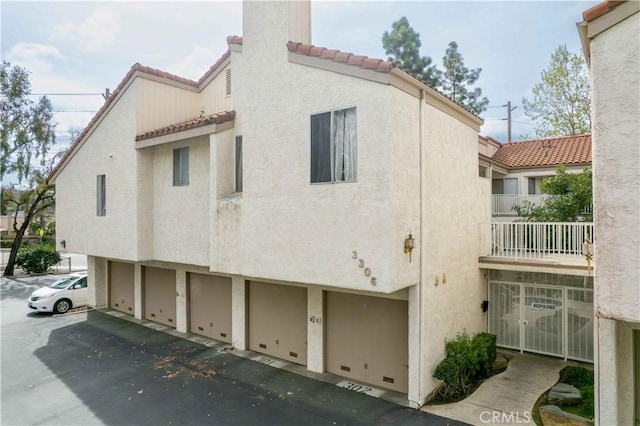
x: 293, y: 354
x: 153, y: 315
x: 117, y: 304
x: 345, y: 368
x: 223, y: 334
x: 387, y: 379
x: 170, y: 319
x: 228, y: 82
x: 200, y: 328
x: 130, y: 308
x: 263, y: 346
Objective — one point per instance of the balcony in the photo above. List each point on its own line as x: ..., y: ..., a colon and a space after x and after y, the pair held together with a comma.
x: 563, y: 244
x: 502, y: 204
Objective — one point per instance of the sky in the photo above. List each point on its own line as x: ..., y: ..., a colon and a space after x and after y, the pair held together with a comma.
x: 75, y: 50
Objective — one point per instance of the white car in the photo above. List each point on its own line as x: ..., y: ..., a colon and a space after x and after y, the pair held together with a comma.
x: 64, y: 294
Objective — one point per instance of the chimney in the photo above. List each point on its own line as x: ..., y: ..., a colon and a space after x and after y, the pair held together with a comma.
x: 267, y: 26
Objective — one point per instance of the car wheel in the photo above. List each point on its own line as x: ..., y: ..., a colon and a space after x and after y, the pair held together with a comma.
x: 62, y: 306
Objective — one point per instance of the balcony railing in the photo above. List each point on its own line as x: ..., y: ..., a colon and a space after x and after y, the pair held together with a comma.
x: 518, y: 240
x: 502, y: 204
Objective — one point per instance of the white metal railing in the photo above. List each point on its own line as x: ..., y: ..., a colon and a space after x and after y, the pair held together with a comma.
x: 541, y: 239
x: 502, y: 204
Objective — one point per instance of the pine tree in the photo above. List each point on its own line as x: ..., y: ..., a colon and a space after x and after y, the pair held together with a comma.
x: 457, y: 79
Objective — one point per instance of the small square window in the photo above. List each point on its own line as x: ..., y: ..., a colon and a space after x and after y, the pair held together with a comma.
x: 181, y: 166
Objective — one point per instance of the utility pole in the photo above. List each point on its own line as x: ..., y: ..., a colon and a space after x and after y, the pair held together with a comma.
x: 509, y: 109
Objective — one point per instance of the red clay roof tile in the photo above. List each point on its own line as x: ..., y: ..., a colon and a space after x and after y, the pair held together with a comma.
x: 545, y: 152
x: 234, y: 39
x: 218, y: 118
x: 600, y: 9
x: 341, y: 57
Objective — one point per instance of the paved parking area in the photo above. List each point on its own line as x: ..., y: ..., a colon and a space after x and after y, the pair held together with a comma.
x: 97, y: 369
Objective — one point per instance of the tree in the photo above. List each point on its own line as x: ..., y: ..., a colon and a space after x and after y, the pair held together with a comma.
x: 457, y: 79
x: 573, y: 195
x: 402, y: 45
x: 561, y: 105
x: 26, y: 134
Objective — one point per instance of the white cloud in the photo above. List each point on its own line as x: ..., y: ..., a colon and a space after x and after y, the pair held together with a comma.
x: 97, y: 31
x: 195, y: 64
x: 35, y: 57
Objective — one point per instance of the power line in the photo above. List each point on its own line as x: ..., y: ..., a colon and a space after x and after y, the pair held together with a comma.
x: 66, y: 94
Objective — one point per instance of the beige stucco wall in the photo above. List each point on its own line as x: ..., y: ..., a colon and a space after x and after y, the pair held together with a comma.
x: 110, y: 151
x: 181, y: 213
x: 615, y: 77
x: 615, y: 73
x: 454, y: 208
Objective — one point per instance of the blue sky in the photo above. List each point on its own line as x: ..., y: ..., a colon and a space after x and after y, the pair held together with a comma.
x: 85, y: 47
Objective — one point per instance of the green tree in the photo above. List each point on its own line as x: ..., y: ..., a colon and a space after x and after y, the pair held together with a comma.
x: 561, y: 103
x: 573, y: 195
x: 457, y: 80
x: 402, y: 45
x: 26, y: 134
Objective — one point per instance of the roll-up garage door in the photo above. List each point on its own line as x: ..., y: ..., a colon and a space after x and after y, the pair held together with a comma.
x: 210, y: 306
x: 367, y: 339
x: 278, y: 321
x: 121, y: 284
x: 160, y: 295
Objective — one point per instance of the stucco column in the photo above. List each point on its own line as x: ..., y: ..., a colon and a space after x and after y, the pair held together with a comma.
x: 315, y: 330
x: 614, y: 385
x: 239, y: 302
x: 414, y: 396
x: 181, y: 300
x: 97, y: 281
x: 138, y: 282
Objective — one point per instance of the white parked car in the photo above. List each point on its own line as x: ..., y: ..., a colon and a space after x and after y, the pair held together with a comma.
x: 64, y: 294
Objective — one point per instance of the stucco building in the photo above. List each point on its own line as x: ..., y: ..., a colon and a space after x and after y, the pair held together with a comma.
x: 610, y: 35
x: 270, y: 205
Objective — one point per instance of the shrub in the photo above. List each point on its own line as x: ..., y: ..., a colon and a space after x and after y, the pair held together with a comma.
x: 577, y: 376
x: 468, y: 360
x: 38, y: 259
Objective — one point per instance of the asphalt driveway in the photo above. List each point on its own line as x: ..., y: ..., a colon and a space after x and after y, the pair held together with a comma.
x: 96, y: 369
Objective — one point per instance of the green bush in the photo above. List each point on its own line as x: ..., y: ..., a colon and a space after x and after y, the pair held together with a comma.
x: 38, y: 259
x: 577, y: 376
x: 468, y: 360
x: 582, y: 379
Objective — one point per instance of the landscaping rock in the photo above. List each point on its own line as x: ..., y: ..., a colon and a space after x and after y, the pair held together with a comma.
x: 553, y: 415
x: 564, y: 394
x: 500, y: 363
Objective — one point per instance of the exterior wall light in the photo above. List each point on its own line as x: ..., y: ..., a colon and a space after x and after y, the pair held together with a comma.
x: 408, y: 245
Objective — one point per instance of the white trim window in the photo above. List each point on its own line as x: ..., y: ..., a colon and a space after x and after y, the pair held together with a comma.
x: 101, y: 195
x: 334, y: 146
x: 181, y: 166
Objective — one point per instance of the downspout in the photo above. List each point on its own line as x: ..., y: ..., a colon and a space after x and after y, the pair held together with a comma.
x: 422, y: 248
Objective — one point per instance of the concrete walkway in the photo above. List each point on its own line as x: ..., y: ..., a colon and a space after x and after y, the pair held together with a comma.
x: 507, y: 398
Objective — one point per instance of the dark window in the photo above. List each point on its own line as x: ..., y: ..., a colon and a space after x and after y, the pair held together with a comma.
x: 238, y: 163
x: 181, y: 166
x: 101, y: 195
x: 333, y: 146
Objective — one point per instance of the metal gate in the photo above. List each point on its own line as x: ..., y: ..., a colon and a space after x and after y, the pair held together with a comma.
x: 551, y: 320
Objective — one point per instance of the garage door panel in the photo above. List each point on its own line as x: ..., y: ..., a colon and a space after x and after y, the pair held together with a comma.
x: 278, y: 321
x: 121, y: 287
x: 367, y: 339
x: 160, y: 295
x: 210, y: 306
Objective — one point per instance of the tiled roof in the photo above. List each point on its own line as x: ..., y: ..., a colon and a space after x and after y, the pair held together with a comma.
x: 363, y: 62
x: 234, y: 39
x: 135, y: 68
x: 546, y: 152
x: 218, y: 118
x: 600, y: 9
